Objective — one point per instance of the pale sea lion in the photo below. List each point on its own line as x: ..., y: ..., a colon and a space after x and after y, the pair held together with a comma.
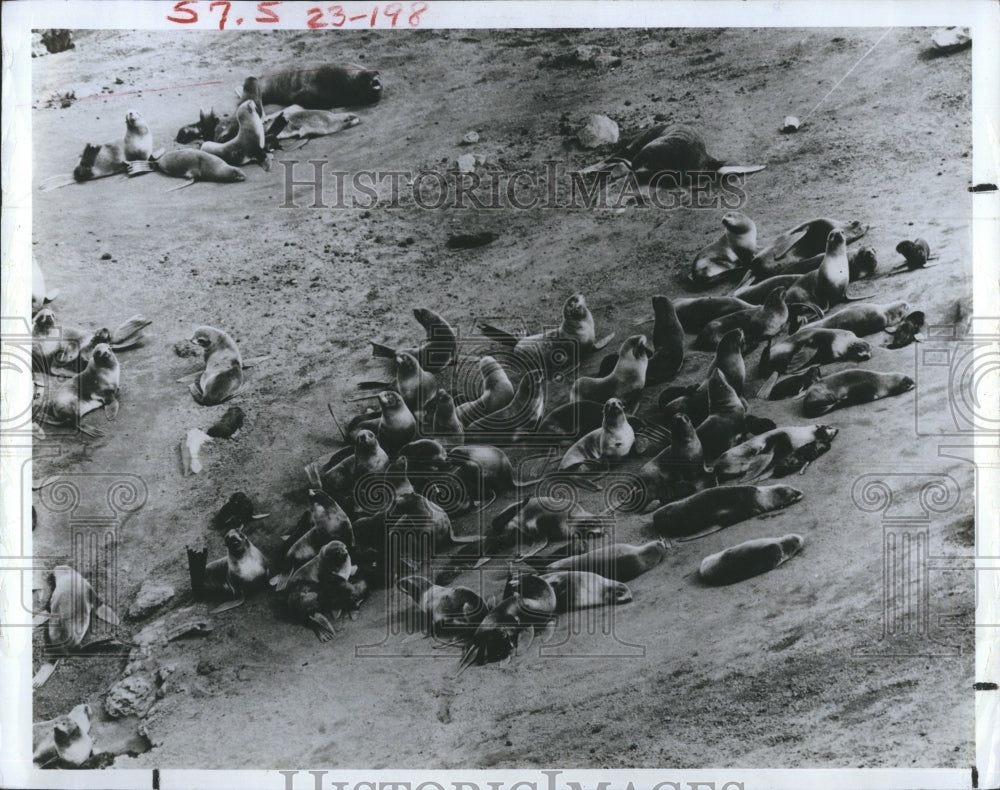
x: 298, y: 123
x: 40, y: 295
x: 64, y: 741
x: 324, y: 521
x: 582, y: 590
x: 222, y: 378
x: 804, y: 241
x: 191, y: 165
x: 864, y: 319
x: 755, y: 458
x: 613, y: 440
x: 96, y: 387
x: 851, y: 387
x: 720, y: 507
x: 813, y: 345
x: 827, y: 285
x: 138, y: 141
x: 71, y: 606
x: 239, y: 573
x: 248, y: 145
x: 748, y: 559
x: 625, y: 382
x: 497, y: 392
x: 620, y: 561
x: 733, y: 249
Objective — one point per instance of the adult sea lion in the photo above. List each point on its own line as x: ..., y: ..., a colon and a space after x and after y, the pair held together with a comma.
x: 749, y: 559
x: 733, y: 249
x: 852, y: 387
x: 620, y: 561
x: 720, y: 507
x: 323, y: 87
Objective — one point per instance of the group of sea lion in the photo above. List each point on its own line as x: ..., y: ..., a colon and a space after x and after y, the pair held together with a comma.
x: 246, y: 136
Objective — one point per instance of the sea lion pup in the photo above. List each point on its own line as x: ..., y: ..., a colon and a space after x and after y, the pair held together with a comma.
x: 236, y: 513
x: 677, y: 151
x: 445, y: 611
x: 550, y: 350
x: 416, y: 385
x: 523, y: 413
x: 827, y: 285
x: 583, y: 590
x: 851, y: 387
x: 668, y: 340
x: 191, y: 165
x: 240, y: 572
x: 324, y: 521
x: 323, y: 87
x: 64, y: 740
x: 916, y: 253
x: 338, y: 478
x: 56, y: 348
x: 320, y: 591
x: 908, y: 330
x: 726, y: 423
x: 813, y: 345
x: 749, y: 559
x: 96, y: 387
x: 757, y: 323
x: 734, y: 249
x: 864, y: 319
x: 694, y: 400
x: 228, y: 128
x: 298, y: 123
x: 40, y: 295
x: 802, y: 242
x: 720, y: 507
x: 756, y: 458
x: 790, y: 386
x: 99, y: 161
x: 248, y: 145
x: 228, y: 425
x: 696, y: 311
x: 394, y: 427
x: 222, y: 378
x: 509, y: 626
x: 205, y: 128
x: 619, y: 562
x: 497, y: 392
x: 71, y: 606
x: 542, y: 520
x: 485, y: 470
x: 614, y: 439
x: 447, y: 427
x: 138, y: 141
x: 436, y: 352
x: 625, y: 382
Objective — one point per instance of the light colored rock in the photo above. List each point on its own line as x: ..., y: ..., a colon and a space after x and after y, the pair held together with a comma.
x: 597, y: 131
x: 466, y: 163
x: 151, y: 596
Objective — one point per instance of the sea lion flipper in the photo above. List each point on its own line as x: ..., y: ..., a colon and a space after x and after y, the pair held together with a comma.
x: 501, y: 336
x: 187, y: 183
x: 794, y: 238
x: 43, y: 674
x: 801, y: 358
x: 225, y: 607
x: 107, y: 614
x: 764, y: 393
x: 111, y: 409
x: 56, y: 182
x: 759, y: 466
x: 599, y: 344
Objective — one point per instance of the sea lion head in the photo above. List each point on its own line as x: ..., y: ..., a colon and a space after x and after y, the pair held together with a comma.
x: 207, y: 337
x: 865, y: 262
x: 859, y: 350
x: 444, y: 403
x: 614, y: 413
x: 44, y: 320
x: 775, y: 299
x: 423, y: 315
x: 637, y: 347
x: 369, y: 85
x: 406, y: 364
x: 895, y: 312
x: 720, y: 393
x: 246, y: 110
x: 429, y: 453
x: 779, y: 496
x: 390, y: 401
x: 835, y: 242
x: 334, y: 556
x: 103, y: 356
x: 791, y: 544
x: 134, y: 121
x: 904, y: 384
x: 414, y: 586
x: 575, y: 308
x: 488, y: 366
x: 236, y: 543
x: 365, y: 443
x: 826, y: 433
x: 616, y: 593
x: 737, y: 222
x: 733, y: 341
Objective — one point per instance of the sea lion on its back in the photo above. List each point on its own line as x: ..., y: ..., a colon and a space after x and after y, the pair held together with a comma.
x: 733, y: 249
x: 323, y: 88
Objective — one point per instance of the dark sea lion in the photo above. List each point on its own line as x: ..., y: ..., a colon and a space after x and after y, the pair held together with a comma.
x: 720, y: 507
x: 191, y: 165
x: 676, y: 469
x: 446, y: 426
x: 543, y: 520
x: 229, y: 128
x: 757, y: 323
x: 323, y: 88
x: 804, y: 241
x: 320, y: 591
x: 620, y: 561
x: 813, y: 345
x: 436, y: 352
x: 852, y: 387
x: 228, y: 425
x: 735, y: 248
x: 613, y: 440
x: 237, y: 512
x: 696, y: 311
x: 446, y: 611
x: 725, y: 424
x: 907, y: 331
x: 916, y: 254
x: 338, y: 477
x: 625, y: 382
x: 668, y: 342
x: 324, y: 521
x: 248, y: 144
x: 242, y: 571
x: 748, y: 559
x: 485, y: 470
x: 755, y: 458
x: 693, y: 401
x: 394, y: 427
x: 497, y: 392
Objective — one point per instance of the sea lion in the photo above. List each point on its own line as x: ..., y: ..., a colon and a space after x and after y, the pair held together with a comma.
x: 625, y: 382
x: 415, y: 384
x: 447, y: 427
x: 324, y: 521
x: 916, y: 254
x: 733, y: 249
x: 71, y: 606
x: 755, y: 458
x: 572, y: 420
x: 207, y: 127
x: 619, y: 562
x: 64, y: 741
x: 394, y: 427
x: 96, y: 387
x: 862, y: 262
x: 613, y: 440
x: 790, y: 386
x: 582, y: 590
x: 337, y: 477
x: 757, y: 323
x: 439, y: 349
x: 60, y: 349
x: 323, y: 87
x: 222, y: 378
x: 668, y: 342
x: 240, y: 572
x: 446, y: 611
x: 907, y: 331
x: 138, y: 141
x: 758, y: 292
x: 813, y: 345
x: 678, y: 151
x: 748, y: 559
x: 726, y: 423
x: 236, y: 513
x: 543, y: 520
x: 851, y: 387
x: 827, y: 285
x: 523, y: 413
x: 694, y: 400
x: 248, y: 145
x: 553, y: 349
x: 497, y: 392
x: 696, y: 311
x: 804, y: 241
x: 320, y: 591
x: 228, y: 128
x: 864, y: 319
x: 484, y: 470
x: 191, y: 165
x: 425, y: 456
x: 228, y: 425
x: 674, y: 470
x: 720, y: 507
x: 298, y: 123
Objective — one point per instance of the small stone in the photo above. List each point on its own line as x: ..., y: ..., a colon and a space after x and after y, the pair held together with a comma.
x: 597, y: 131
x: 470, y: 138
x: 106, y: 256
